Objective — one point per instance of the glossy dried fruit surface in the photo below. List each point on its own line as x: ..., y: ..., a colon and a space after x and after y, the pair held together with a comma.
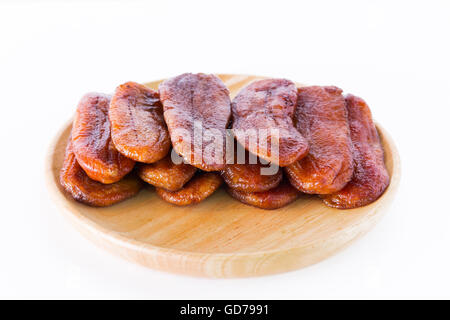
x: 321, y: 117
x: 269, y: 105
x: 138, y: 129
x: 92, y: 144
x: 165, y: 174
x: 248, y: 178
x: 200, y: 102
x: 370, y: 176
x: 83, y: 189
x: 280, y: 196
x: 250, y: 175
x: 196, y: 190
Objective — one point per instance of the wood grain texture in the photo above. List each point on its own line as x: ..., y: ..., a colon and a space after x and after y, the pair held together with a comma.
x: 220, y: 237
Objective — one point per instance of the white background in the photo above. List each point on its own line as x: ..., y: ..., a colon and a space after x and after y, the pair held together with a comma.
x: 394, y: 54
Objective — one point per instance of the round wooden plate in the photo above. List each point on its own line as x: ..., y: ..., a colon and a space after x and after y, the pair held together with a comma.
x: 220, y: 237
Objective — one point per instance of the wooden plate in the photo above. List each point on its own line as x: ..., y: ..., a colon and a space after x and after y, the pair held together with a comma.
x: 220, y: 237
